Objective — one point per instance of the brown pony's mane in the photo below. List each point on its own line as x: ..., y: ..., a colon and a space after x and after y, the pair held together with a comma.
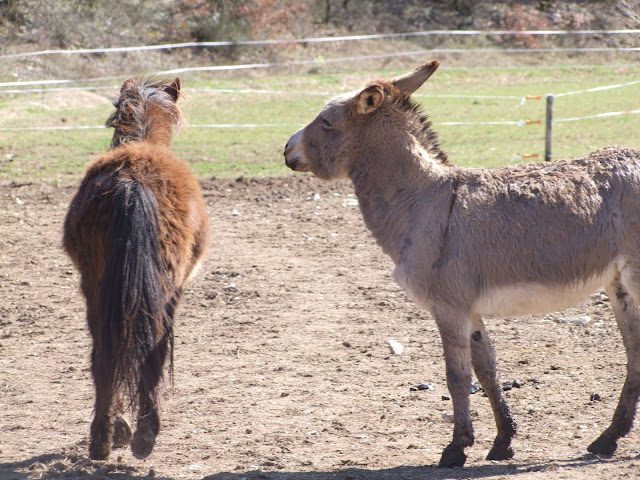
x: 419, y: 123
x: 141, y: 106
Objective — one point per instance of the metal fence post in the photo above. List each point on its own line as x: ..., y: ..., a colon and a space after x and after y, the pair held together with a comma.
x: 549, y: 124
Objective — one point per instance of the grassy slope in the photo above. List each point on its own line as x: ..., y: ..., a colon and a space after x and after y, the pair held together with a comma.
x: 61, y: 155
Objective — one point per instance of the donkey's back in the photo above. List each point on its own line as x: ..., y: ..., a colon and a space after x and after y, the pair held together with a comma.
x: 540, y: 237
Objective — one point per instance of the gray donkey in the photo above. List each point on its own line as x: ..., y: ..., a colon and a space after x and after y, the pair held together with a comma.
x: 469, y: 242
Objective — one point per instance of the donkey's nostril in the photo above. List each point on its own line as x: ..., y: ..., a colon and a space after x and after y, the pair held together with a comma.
x: 286, y: 148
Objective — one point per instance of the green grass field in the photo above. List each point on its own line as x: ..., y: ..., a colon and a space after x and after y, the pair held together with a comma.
x: 60, y: 155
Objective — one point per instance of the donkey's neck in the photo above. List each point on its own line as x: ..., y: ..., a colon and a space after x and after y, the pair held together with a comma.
x: 401, y: 193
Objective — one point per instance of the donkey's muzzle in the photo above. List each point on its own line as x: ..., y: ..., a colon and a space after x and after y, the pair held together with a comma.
x: 294, y: 153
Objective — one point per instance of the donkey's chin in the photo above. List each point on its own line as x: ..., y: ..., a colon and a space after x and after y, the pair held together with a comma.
x: 297, y: 164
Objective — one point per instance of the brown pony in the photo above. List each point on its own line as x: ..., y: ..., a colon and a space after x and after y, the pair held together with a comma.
x: 136, y: 229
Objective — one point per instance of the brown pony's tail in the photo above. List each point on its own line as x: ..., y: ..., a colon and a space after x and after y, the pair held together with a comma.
x: 135, y: 330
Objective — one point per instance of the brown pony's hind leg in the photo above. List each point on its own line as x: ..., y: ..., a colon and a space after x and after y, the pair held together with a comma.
x: 121, y: 430
x: 483, y: 358
x: 148, y: 423
x: 101, y: 431
x: 627, y: 313
x: 148, y: 427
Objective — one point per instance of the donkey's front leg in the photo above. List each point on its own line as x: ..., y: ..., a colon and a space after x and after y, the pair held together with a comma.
x: 483, y: 358
x: 455, y: 329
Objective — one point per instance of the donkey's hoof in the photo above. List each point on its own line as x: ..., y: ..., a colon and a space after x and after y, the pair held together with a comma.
x: 121, y: 433
x: 500, y: 451
x: 142, y: 443
x: 451, y: 458
x: 603, y: 446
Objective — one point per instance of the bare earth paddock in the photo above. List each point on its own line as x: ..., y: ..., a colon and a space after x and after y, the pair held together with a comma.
x: 282, y: 365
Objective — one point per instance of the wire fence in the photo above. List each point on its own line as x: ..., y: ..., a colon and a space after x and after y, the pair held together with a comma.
x: 44, y: 86
x: 519, y: 122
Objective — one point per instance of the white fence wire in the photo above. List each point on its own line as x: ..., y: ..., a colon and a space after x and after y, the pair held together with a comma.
x: 518, y: 123
x: 18, y: 87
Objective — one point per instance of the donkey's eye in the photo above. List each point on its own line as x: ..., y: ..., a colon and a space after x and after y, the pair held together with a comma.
x: 326, y: 124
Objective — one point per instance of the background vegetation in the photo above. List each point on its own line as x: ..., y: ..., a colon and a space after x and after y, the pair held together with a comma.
x: 468, y: 88
x: 101, y: 23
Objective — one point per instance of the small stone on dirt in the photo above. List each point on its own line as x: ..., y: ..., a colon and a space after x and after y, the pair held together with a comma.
x: 448, y: 416
x: 396, y: 347
x: 575, y: 320
x: 423, y: 386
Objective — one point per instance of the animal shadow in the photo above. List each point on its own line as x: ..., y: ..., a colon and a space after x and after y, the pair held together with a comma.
x: 432, y: 472
x: 72, y: 465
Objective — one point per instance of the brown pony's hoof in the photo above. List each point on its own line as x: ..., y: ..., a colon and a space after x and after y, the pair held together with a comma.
x: 603, y: 445
x: 121, y: 433
x: 99, y: 450
x: 452, y: 457
x: 500, y: 451
x: 142, y: 443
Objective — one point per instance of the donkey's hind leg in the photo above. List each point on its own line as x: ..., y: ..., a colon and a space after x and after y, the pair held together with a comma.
x: 627, y: 313
x: 483, y: 358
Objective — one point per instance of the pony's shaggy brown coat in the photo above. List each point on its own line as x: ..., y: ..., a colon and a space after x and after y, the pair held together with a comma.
x: 136, y: 229
x: 469, y: 242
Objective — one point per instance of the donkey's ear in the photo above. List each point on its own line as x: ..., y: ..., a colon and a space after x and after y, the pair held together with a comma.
x: 410, y: 82
x: 128, y: 83
x: 369, y: 99
x: 173, y: 89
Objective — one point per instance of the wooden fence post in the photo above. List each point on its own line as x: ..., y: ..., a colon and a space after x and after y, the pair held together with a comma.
x: 549, y: 124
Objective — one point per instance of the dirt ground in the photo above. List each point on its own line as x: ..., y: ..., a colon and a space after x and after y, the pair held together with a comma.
x: 283, y: 369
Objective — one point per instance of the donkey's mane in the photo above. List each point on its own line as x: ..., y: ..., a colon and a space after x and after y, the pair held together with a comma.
x: 419, y: 123
x: 133, y: 119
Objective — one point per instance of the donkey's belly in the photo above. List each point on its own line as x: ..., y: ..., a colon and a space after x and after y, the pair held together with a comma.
x: 528, y: 298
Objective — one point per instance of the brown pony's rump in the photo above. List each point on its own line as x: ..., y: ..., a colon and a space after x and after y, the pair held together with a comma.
x: 136, y: 229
